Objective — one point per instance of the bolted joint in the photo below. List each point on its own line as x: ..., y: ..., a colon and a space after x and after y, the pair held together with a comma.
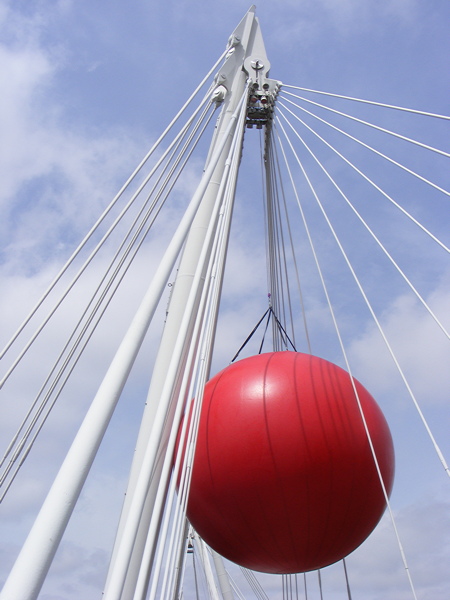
x: 219, y: 94
x: 261, y: 103
x: 233, y: 41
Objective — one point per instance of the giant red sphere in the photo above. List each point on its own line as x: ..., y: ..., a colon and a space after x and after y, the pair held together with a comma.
x: 284, y: 480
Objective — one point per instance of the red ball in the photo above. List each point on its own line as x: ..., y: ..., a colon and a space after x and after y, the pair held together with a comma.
x: 284, y: 480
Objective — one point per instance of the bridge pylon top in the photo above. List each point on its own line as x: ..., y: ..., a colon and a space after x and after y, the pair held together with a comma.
x: 246, y: 56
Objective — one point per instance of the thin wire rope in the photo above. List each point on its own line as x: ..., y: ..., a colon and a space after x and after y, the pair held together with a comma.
x: 56, y: 396
x: 181, y: 567
x: 320, y: 584
x: 177, y: 518
x: 70, y: 480
x: 254, y: 584
x: 195, y: 576
x: 85, y: 329
x: 219, y: 265
x: 195, y: 391
x: 148, y: 214
x: 283, y: 333
x: 209, y: 298
x: 293, y: 254
x: 347, y: 582
x: 269, y: 235
x: 265, y: 215
x: 273, y: 273
x: 249, y: 336
x: 372, y: 312
x: 275, y: 250
x: 368, y: 179
x: 193, y: 359
x: 283, y: 289
x: 281, y: 285
x: 277, y: 181
x: 100, y: 243
x: 234, y: 586
x: 343, y: 348
x: 265, y: 330
x: 130, y: 246
x: 294, y: 258
x: 371, y: 232
x: 373, y: 126
x: 98, y: 246
x: 372, y: 102
x: 112, y: 204
x: 371, y: 148
x: 300, y: 291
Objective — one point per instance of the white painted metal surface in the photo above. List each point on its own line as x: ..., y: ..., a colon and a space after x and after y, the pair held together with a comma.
x: 43, y: 540
x: 246, y: 46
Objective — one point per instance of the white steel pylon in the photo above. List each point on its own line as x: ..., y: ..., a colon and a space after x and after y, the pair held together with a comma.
x: 246, y: 65
x: 245, y: 70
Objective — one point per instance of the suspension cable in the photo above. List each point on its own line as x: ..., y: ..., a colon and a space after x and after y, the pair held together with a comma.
x: 375, y: 318
x: 320, y: 584
x: 369, y: 180
x: 110, y: 206
x: 195, y: 577
x: 332, y: 313
x: 347, y: 583
x: 90, y: 319
x: 382, y: 247
x: 373, y: 126
x: 198, y: 350
x: 371, y: 148
x: 278, y: 280
x: 409, y: 110
x: 268, y: 256
x: 254, y: 584
x: 211, y: 297
x: 100, y: 243
x: 279, y: 183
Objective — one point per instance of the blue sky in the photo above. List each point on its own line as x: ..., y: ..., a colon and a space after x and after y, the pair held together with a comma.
x: 86, y: 88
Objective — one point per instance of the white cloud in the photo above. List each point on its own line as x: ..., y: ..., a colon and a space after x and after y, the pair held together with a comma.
x: 341, y: 16
x: 424, y: 537
x: 56, y: 175
x: 376, y: 569
x: 420, y: 347
x: 76, y: 571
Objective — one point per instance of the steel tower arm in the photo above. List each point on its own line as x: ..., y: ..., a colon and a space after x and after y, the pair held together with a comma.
x: 246, y: 64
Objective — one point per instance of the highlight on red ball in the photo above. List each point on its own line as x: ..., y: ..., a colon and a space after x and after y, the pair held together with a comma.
x: 284, y: 479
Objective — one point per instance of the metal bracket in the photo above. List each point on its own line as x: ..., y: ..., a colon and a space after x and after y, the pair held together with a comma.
x: 247, y: 53
x: 261, y: 103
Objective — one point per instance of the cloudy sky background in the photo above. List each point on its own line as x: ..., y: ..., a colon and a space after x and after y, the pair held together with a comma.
x: 85, y: 90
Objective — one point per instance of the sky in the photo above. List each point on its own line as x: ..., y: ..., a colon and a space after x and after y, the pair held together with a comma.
x: 86, y: 89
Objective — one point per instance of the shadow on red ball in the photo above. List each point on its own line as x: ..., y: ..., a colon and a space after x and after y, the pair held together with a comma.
x: 284, y: 480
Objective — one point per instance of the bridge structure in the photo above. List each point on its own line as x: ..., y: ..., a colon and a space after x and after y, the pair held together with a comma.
x: 238, y: 99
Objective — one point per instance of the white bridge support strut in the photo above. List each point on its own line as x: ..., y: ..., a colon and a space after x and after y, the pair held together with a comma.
x: 246, y: 60
x: 34, y: 560
x: 246, y: 64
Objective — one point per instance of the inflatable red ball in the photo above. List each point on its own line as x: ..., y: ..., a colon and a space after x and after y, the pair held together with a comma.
x: 284, y: 480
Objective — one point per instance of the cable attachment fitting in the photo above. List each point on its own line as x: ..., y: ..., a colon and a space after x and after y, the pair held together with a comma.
x: 219, y: 94
x: 261, y: 103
